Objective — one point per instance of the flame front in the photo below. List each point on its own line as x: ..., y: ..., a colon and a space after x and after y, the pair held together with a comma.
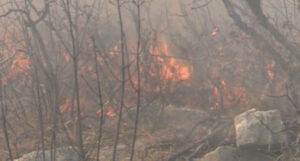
x: 171, y: 68
x: 66, y: 105
x: 20, y: 64
x: 110, y: 112
x: 269, y: 69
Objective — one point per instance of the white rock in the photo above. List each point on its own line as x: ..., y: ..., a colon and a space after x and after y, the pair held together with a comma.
x: 228, y: 153
x: 260, y: 128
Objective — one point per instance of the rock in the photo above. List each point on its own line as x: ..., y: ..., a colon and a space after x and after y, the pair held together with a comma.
x: 228, y: 153
x: 260, y: 129
x: 62, y: 154
x: 253, y: 155
x: 222, y: 153
x: 122, y: 153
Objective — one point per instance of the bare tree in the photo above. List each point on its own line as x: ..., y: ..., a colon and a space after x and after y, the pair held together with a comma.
x: 75, y: 55
x: 138, y: 4
x: 123, y: 79
x: 100, y: 98
x: 4, y: 119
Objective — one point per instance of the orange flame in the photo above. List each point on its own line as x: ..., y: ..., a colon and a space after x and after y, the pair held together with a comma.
x: 85, y: 67
x: 65, y: 106
x: 171, y: 68
x: 227, y: 95
x: 270, y: 70
x: 67, y: 57
x: 110, y: 112
x: 214, y: 32
x: 19, y: 65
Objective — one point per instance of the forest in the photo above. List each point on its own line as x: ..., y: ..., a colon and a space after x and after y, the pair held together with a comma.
x: 144, y: 80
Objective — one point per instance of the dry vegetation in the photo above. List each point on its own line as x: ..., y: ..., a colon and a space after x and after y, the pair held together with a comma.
x: 80, y: 73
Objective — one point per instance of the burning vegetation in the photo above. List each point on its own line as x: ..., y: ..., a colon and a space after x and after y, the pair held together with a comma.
x: 171, y: 69
x: 111, y: 77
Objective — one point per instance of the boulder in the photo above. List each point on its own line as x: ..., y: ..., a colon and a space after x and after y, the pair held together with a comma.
x: 260, y: 129
x: 62, y: 154
x: 228, y: 153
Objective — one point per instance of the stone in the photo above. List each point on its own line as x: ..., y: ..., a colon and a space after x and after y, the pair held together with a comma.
x: 260, y: 128
x: 62, y: 154
x: 228, y: 153
x: 222, y: 153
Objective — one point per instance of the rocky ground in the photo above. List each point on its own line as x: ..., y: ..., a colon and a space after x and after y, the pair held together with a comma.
x: 251, y: 136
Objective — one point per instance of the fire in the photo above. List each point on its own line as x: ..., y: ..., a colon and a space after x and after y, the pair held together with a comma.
x: 65, y: 106
x: 171, y: 68
x: 85, y: 67
x: 214, y: 32
x: 110, y: 112
x: 19, y: 65
x: 67, y: 57
x: 270, y: 70
x: 227, y: 95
